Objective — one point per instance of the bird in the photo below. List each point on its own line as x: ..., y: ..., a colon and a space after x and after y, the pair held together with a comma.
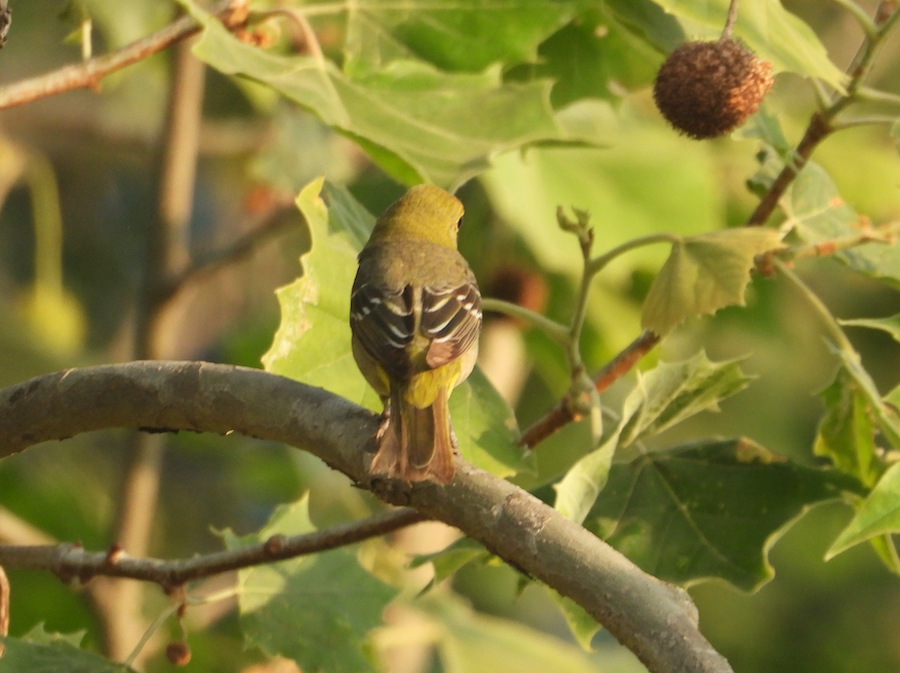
x: 415, y: 318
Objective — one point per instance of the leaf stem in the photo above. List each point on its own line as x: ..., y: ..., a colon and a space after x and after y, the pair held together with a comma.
x: 599, y: 263
x: 556, y: 331
x: 862, y: 17
x: 828, y: 320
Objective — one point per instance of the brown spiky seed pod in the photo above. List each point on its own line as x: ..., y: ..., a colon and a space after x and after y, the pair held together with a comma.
x: 705, y: 89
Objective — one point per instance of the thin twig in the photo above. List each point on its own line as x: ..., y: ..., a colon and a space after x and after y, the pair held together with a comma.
x: 615, y: 369
x: 71, y: 562
x: 88, y: 74
x: 730, y: 21
x: 267, y: 225
x: 4, y: 604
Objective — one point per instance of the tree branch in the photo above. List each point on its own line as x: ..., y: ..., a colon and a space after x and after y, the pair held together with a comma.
x: 88, y: 74
x: 657, y: 621
x: 70, y: 561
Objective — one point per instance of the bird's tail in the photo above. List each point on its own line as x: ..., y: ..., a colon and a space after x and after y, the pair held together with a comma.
x: 416, y: 444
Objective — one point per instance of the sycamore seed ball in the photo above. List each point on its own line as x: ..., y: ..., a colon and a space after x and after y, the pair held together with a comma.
x: 706, y: 89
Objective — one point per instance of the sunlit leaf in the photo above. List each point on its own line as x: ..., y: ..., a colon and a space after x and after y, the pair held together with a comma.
x: 579, y: 488
x: 582, y: 625
x: 471, y: 642
x: 708, y: 510
x: 819, y: 213
x: 39, y: 651
x: 317, y: 610
x: 878, y: 515
x: 419, y: 123
x: 467, y: 35
x: 703, y: 274
x: 312, y: 343
x: 891, y: 324
x: 447, y: 561
x: 846, y: 433
x: 768, y: 28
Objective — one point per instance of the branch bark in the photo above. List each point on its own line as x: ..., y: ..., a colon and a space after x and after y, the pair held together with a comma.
x: 657, y: 621
x: 70, y: 561
x: 88, y: 74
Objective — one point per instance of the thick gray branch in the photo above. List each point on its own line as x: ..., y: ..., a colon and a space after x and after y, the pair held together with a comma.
x: 657, y: 621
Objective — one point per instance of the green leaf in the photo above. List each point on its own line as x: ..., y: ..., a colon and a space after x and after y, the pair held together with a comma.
x: 317, y: 610
x: 450, y: 559
x: 674, y: 391
x: 418, y: 123
x: 891, y: 324
x: 648, y: 21
x: 582, y: 625
x: 470, y: 642
x: 708, y: 510
x: 593, y: 57
x: 662, y: 398
x: 703, y: 274
x: 467, y: 35
x: 769, y: 29
x: 846, y: 433
x: 577, y: 491
x: 818, y: 213
x: 878, y: 515
x: 41, y: 652
x: 312, y: 343
x: 885, y: 415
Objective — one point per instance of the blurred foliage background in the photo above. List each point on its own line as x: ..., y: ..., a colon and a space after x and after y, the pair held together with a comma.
x: 78, y: 175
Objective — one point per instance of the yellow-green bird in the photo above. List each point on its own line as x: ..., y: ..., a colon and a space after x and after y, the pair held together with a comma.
x: 415, y: 314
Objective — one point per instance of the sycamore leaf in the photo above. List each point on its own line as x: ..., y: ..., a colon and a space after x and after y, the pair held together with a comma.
x: 884, y: 414
x: 703, y: 274
x: 446, y: 562
x: 312, y: 343
x: 582, y: 625
x: 663, y: 397
x: 674, y: 391
x: 846, y: 433
x: 579, y: 488
x: 467, y: 35
x: 818, y: 213
x: 419, y: 123
x: 470, y: 642
x: 43, y: 652
x: 711, y: 509
x: 317, y: 610
x: 891, y: 324
x: 878, y: 515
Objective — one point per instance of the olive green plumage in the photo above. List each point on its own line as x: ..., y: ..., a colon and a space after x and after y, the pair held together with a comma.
x: 415, y: 314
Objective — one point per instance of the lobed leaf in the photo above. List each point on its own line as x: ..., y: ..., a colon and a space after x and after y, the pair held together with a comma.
x: 419, y: 123
x: 708, y: 510
x: 317, y: 610
x: 704, y: 273
x: 891, y: 324
x: 878, y: 515
x: 464, y: 35
x: 470, y: 642
x: 44, y: 652
x: 818, y: 213
x: 665, y: 396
